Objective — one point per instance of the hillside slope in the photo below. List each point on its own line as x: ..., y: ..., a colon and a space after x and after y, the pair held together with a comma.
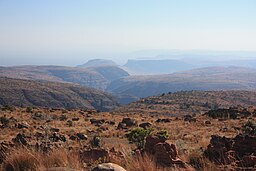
x: 25, y: 93
x: 190, y: 102
x: 97, y: 77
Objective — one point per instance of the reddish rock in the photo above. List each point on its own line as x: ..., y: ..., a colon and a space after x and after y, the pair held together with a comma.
x: 151, y: 141
x: 241, y: 149
x: 164, y: 152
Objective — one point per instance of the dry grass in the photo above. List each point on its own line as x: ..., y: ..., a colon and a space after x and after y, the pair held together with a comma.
x: 142, y: 163
x: 188, y: 137
x: 61, y: 158
x: 22, y: 159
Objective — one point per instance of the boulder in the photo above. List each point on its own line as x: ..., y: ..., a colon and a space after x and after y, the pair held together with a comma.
x: 166, y: 154
x: 97, y: 121
x: 166, y: 120
x: 145, y: 125
x: 81, y: 136
x: 20, y: 139
x: 151, y: 141
x: 108, y: 167
x: 22, y: 125
x: 129, y: 122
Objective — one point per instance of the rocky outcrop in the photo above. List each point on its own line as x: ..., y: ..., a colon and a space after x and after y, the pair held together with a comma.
x: 164, y: 152
x: 231, y: 113
x: 240, y: 150
x: 126, y: 122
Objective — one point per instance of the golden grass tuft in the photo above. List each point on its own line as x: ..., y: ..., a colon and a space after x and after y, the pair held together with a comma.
x: 21, y: 159
x: 143, y: 163
x: 61, y: 158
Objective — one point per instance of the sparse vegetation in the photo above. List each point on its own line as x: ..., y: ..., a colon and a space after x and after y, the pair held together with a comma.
x: 249, y: 128
x: 138, y: 136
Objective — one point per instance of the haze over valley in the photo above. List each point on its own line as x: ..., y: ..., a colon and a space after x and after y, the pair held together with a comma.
x: 132, y: 85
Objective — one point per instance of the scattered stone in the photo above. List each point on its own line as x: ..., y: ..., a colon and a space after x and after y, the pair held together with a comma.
x: 167, y: 120
x: 126, y: 122
x: 97, y: 122
x: 108, y: 167
x: 75, y: 119
x: 207, y: 122
x: 69, y: 123
x: 145, y: 125
x: 63, y: 117
x: 20, y: 139
x: 81, y: 136
x: 22, y: 125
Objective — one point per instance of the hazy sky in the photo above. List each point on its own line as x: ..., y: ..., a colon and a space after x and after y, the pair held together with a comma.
x: 71, y: 31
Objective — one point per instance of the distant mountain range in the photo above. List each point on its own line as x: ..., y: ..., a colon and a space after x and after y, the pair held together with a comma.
x: 24, y: 93
x: 156, y: 66
x: 108, y: 76
x: 210, y: 78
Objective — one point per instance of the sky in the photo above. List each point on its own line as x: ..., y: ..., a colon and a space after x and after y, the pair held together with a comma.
x: 69, y: 32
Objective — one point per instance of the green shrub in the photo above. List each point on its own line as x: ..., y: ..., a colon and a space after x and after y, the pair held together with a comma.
x: 4, y: 120
x: 138, y: 136
x: 249, y: 128
x: 96, y: 141
x: 162, y: 134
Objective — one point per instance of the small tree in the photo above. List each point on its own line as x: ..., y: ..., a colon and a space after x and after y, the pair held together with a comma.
x: 249, y: 128
x: 138, y: 136
x: 96, y: 141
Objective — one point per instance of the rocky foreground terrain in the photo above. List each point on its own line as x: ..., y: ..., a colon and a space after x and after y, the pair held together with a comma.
x: 60, y: 139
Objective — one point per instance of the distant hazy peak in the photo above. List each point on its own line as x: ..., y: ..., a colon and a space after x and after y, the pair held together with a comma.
x: 98, y: 62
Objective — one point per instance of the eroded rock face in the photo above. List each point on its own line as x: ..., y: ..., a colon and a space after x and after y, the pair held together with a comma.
x: 164, y: 152
x: 241, y: 150
x: 108, y: 167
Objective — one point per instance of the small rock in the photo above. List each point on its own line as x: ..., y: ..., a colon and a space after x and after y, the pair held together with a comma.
x: 108, y: 167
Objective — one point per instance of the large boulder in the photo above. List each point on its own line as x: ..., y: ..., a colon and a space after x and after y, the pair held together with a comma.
x: 164, y: 152
x: 126, y: 122
x: 108, y: 167
x: 151, y: 141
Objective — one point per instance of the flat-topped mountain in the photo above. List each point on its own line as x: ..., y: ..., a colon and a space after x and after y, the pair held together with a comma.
x: 97, y: 63
x: 24, y: 93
